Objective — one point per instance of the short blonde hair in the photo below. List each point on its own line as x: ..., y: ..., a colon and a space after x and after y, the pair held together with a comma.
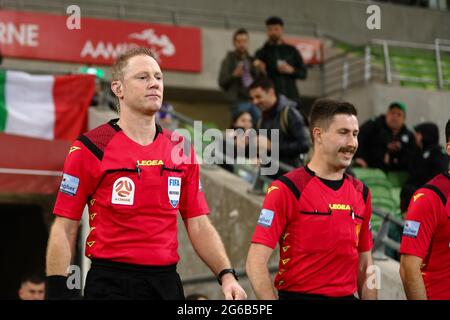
x: 122, y: 61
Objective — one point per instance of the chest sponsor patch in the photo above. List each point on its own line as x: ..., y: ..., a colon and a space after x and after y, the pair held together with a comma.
x: 123, y: 191
x: 174, y: 190
x: 69, y: 184
x: 266, y: 218
x: 411, y: 228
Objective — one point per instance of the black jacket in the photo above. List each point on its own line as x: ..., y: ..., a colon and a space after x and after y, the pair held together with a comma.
x: 294, y: 140
x: 373, y: 138
x: 430, y: 160
x: 284, y: 83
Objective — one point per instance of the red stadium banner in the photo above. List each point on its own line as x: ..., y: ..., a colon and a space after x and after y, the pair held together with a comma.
x: 40, y: 36
x: 310, y: 49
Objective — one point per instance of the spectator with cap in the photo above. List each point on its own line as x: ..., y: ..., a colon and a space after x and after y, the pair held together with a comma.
x: 282, y: 62
x: 385, y: 142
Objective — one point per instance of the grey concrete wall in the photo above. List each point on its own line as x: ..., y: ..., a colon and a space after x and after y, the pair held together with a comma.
x: 423, y: 105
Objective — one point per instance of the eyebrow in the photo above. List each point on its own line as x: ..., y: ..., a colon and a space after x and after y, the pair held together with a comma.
x: 348, y: 130
x: 157, y: 73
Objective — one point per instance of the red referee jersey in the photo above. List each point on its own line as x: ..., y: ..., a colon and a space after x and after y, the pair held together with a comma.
x: 320, y: 232
x: 427, y: 235
x: 133, y: 194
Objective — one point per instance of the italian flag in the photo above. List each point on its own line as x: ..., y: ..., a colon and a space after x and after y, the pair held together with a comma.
x: 44, y: 106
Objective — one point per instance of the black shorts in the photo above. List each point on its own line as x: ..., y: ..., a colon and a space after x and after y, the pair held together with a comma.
x: 287, y: 295
x: 108, y: 280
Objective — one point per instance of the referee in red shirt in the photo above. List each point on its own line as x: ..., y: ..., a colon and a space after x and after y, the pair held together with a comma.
x: 425, y: 247
x: 320, y: 218
x: 135, y: 177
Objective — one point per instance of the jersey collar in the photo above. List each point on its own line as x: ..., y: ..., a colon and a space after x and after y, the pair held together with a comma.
x: 115, y: 126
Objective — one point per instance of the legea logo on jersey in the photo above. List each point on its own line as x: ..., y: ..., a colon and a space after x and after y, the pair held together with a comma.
x: 123, y: 191
x: 174, y: 190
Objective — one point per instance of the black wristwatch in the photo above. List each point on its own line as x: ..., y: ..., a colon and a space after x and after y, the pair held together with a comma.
x: 225, y: 271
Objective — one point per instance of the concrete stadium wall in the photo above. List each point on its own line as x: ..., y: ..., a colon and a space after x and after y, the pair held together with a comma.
x: 423, y: 105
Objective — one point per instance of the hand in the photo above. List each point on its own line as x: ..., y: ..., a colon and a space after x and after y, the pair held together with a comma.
x: 231, y: 288
x: 260, y: 65
x: 394, y: 146
x: 286, y: 68
x: 238, y: 70
x: 361, y: 162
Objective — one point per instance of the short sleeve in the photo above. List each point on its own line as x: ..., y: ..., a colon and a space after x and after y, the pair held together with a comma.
x: 365, y: 241
x: 193, y: 202
x: 421, y: 222
x: 80, y: 177
x: 276, y: 210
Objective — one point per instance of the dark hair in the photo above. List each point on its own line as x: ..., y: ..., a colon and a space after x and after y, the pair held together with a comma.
x: 274, y: 20
x: 239, y: 32
x: 34, y: 278
x: 263, y: 83
x: 447, y: 131
x: 122, y: 61
x: 323, y: 111
x: 237, y: 115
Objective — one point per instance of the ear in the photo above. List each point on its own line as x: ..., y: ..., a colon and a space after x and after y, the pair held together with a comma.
x: 317, y: 134
x: 116, y: 87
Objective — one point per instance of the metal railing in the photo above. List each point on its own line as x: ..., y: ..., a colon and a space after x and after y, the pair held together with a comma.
x: 381, y: 238
x: 439, y: 47
x: 357, y: 66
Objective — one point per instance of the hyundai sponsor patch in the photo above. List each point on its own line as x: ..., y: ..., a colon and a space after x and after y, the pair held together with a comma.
x: 69, y: 184
x: 411, y: 228
x: 266, y: 218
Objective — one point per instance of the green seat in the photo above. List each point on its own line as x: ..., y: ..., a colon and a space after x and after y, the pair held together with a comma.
x: 381, y: 192
x: 375, y: 222
x: 397, y: 178
x: 387, y: 205
x: 377, y: 183
x: 365, y: 173
x: 395, y: 193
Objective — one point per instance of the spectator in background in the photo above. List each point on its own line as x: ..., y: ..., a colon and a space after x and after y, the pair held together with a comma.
x: 278, y: 112
x: 385, y: 142
x: 241, y: 124
x: 428, y: 161
x: 281, y: 61
x: 164, y: 117
x: 237, y: 73
x: 32, y: 288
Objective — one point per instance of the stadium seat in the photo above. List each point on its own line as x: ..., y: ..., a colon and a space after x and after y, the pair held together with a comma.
x: 365, y: 173
x: 397, y: 178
